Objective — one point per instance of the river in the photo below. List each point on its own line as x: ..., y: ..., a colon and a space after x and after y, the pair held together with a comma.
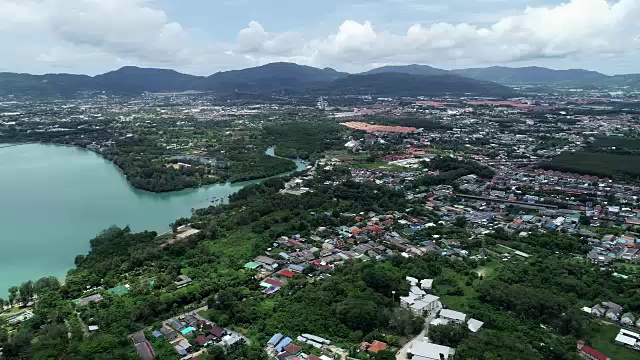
x: 54, y: 199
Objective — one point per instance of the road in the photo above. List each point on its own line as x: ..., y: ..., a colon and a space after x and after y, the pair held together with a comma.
x: 402, y: 354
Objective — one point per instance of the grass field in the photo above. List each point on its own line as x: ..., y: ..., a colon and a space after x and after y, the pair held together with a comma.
x: 453, y: 279
x: 10, y: 312
x: 599, y: 164
x: 628, y: 269
x: 380, y: 166
x: 602, y: 339
x: 345, y: 155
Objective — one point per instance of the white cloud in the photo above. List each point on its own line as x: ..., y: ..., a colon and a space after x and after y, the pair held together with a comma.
x: 98, y: 35
x: 255, y: 40
x: 576, y: 28
x: 109, y: 33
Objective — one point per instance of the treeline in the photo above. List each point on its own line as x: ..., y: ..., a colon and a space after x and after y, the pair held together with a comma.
x: 306, y: 139
x: 451, y: 169
x: 619, y: 167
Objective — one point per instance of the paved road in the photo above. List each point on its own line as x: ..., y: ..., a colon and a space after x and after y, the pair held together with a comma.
x: 402, y: 354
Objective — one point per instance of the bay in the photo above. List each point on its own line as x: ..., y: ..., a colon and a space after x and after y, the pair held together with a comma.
x: 54, y: 199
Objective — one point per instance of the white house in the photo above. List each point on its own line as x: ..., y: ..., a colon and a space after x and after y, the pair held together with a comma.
x: 474, y: 325
x: 417, y: 291
x: 413, y: 281
x: 426, y: 285
x: 453, y: 316
x: 427, y: 351
x: 420, y: 305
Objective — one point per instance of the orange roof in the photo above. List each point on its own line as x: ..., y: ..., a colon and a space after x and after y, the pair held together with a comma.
x: 377, y: 346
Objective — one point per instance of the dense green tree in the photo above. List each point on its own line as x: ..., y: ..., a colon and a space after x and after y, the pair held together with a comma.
x: 450, y: 335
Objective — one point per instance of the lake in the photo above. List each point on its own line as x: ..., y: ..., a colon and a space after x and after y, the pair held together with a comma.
x: 54, y: 199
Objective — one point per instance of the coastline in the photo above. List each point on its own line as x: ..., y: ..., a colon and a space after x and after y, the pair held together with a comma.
x: 122, y: 173
x: 204, y: 193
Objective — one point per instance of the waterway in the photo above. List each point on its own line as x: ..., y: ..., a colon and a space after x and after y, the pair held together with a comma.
x: 54, y: 199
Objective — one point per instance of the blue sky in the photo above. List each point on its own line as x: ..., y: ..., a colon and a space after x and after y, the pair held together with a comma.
x: 204, y: 36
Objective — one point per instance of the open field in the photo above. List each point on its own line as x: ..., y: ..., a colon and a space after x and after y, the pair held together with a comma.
x: 380, y: 166
x: 602, y: 339
x: 627, y: 268
x: 599, y: 164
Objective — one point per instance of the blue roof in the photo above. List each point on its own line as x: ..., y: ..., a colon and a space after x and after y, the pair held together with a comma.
x: 157, y: 333
x: 188, y: 330
x: 286, y: 341
x: 181, y: 351
x: 275, y: 339
x: 296, y: 267
x: 284, y: 255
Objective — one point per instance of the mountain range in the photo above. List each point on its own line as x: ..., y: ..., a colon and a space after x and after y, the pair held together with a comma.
x: 289, y: 78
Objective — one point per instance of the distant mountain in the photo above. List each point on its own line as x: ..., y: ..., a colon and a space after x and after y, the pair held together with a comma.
x: 399, y: 84
x: 289, y: 78
x: 43, y: 85
x: 413, y: 69
x: 275, y: 77
x: 533, y: 75
x: 131, y: 79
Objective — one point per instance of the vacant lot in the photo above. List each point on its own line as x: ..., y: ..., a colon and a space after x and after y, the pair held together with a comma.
x: 600, y: 164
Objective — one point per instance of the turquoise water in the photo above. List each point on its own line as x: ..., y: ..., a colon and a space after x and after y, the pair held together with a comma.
x: 54, y: 199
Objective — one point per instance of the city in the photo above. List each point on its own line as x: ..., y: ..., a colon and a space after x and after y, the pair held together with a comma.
x: 488, y: 186
x: 336, y: 180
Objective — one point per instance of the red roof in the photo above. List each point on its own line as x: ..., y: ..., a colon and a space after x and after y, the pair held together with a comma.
x: 377, y: 346
x: 201, y: 340
x: 293, y: 348
x: 594, y: 353
x: 287, y: 273
x: 273, y: 282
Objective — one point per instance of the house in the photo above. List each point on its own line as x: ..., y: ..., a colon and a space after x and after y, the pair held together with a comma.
x: 217, y: 331
x: 598, y: 310
x: 375, y: 347
x: 629, y: 339
x: 613, y: 307
x: 232, y: 338
x: 89, y: 299
x: 587, y: 352
x: 611, y: 315
x: 168, y: 333
x: 421, y: 350
x: 177, y: 325
x: 267, y: 262
x: 252, y: 265
x: 293, y: 349
x: 453, y: 316
x: 203, y: 341
x: 474, y: 325
x: 417, y: 291
x: 183, y: 280
x: 143, y: 348
x: 420, y: 304
x: 287, y: 273
x: 284, y: 342
x: 628, y: 319
x: 426, y: 285
x: 413, y: 281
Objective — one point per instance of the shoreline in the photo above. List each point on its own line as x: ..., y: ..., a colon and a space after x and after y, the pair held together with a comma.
x: 228, y: 183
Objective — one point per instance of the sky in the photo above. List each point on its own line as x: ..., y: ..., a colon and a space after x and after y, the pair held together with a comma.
x: 205, y: 36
